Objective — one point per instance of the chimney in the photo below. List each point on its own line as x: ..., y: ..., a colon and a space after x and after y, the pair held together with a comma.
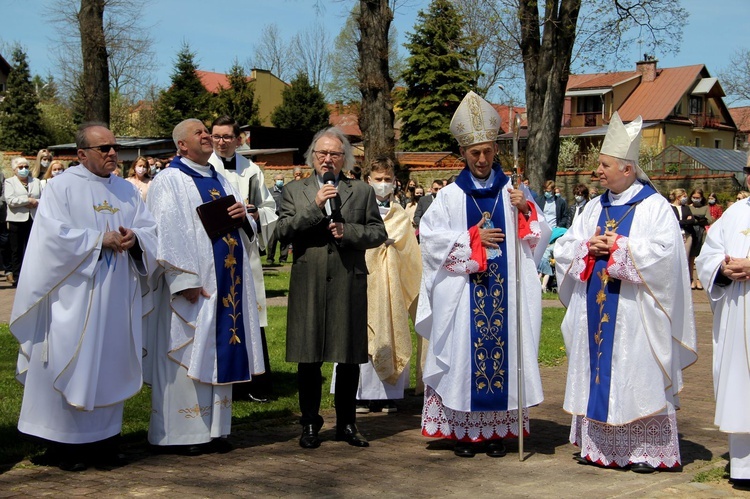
x: 647, y: 68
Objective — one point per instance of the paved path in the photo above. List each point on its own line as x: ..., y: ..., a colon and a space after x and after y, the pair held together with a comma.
x: 267, y: 462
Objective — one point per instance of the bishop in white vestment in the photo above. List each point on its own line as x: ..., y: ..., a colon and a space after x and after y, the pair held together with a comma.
x: 467, y: 301
x: 79, y: 311
x: 629, y: 329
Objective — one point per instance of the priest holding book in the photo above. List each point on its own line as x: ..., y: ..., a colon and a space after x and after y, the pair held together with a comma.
x: 205, y: 334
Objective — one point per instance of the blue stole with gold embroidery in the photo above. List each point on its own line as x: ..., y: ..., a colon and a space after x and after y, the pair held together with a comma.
x: 602, y: 298
x: 488, y: 309
x: 231, y: 354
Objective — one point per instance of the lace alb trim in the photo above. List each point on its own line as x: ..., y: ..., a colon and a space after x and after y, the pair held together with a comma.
x: 622, y: 267
x: 651, y: 440
x: 534, y: 235
x: 578, y: 265
x: 459, y: 260
x: 442, y: 422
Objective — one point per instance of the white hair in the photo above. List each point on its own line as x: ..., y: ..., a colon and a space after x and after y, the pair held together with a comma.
x: 15, y: 162
x: 639, y: 173
x: 181, y: 129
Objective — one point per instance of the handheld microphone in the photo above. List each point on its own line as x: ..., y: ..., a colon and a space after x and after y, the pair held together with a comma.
x: 333, y: 204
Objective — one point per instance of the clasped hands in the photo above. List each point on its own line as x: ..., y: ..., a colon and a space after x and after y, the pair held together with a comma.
x: 602, y: 244
x: 119, y: 240
x: 736, y: 269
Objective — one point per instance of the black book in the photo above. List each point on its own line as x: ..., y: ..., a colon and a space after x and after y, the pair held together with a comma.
x: 216, y: 219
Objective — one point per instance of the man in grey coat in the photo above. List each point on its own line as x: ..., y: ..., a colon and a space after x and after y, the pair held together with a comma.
x: 330, y: 226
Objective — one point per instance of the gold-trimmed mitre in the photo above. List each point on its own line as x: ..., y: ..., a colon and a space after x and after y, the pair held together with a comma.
x: 475, y: 121
x: 623, y: 141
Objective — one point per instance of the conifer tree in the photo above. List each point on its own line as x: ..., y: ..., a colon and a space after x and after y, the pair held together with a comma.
x: 186, y: 97
x: 20, y: 119
x: 238, y: 101
x: 303, y: 107
x: 436, y: 79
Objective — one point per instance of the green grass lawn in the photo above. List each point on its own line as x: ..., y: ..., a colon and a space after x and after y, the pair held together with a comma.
x: 281, y: 410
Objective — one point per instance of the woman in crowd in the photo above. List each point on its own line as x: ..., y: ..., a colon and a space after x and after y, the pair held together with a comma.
x: 679, y: 199
x: 55, y: 168
x: 43, y: 161
x: 22, y: 192
x: 411, y: 206
x: 139, y: 175
x: 411, y: 186
x: 581, y: 196
x: 714, y: 208
x: 699, y: 210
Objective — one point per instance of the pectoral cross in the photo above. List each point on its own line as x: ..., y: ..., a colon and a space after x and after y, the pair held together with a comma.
x: 611, y: 225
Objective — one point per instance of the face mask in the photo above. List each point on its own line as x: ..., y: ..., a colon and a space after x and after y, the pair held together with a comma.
x: 45, y: 163
x: 683, y: 201
x: 55, y: 173
x: 382, y: 189
x: 23, y: 172
x: 153, y: 170
x: 279, y: 183
x: 412, y: 187
x: 697, y: 202
x: 140, y: 170
x: 712, y: 201
x: 417, y: 196
x: 579, y: 199
x: 548, y: 195
x: 557, y: 194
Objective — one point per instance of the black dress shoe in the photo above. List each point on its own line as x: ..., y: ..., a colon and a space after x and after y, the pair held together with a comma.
x: 642, y: 468
x: 464, y: 449
x: 73, y: 464
x: 309, y: 438
x: 496, y: 448
x: 221, y: 445
x: 580, y: 459
x: 192, y: 450
x: 352, y: 436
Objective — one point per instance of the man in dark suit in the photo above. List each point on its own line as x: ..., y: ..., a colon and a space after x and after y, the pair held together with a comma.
x: 330, y: 225
x: 426, y: 201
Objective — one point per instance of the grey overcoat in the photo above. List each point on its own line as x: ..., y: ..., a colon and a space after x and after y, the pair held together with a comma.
x: 327, y: 311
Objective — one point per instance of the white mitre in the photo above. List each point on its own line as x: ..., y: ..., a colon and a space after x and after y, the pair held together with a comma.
x: 623, y: 141
x: 475, y: 121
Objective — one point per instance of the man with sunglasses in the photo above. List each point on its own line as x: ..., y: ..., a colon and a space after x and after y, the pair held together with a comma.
x: 248, y: 179
x: 331, y: 221
x: 79, y: 310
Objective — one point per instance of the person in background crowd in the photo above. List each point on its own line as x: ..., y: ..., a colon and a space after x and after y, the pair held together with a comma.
x: 679, y: 199
x: 55, y: 168
x: 80, y: 308
x: 581, y: 197
x: 394, y: 270
x: 356, y: 173
x: 699, y: 209
x: 426, y: 201
x: 532, y: 191
x: 593, y: 192
x: 43, y: 160
x: 724, y: 267
x: 276, y: 192
x: 297, y: 173
x: 6, y: 267
x: 628, y: 329
x: 411, y: 186
x: 714, y: 208
x: 159, y: 165
x: 22, y: 193
x: 555, y: 208
x: 558, y: 192
x: 411, y: 206
x: 204, y: 335
x: 330, y: 228
x: 139, y: 175
x: 467, y: 304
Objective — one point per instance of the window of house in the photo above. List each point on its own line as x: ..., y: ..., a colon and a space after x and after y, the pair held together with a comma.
x: 589, y: 104
x: 696, y: 105
x: 717, y: 143
x: 677, y: 111
x: 697, y: 142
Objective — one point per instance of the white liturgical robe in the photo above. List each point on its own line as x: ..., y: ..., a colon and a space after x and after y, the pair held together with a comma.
x: 79, y: 310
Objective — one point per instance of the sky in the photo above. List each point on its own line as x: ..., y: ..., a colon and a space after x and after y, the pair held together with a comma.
x: 221, y: 32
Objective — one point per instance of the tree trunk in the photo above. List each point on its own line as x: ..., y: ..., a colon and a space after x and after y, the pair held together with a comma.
x: 376, y: 114
x: 95, y: 68
x: 546, y: 65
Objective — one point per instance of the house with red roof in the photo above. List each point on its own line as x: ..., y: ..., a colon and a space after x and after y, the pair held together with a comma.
x: 741, y: 117
x: 268, y: 89
x: 682, y: 105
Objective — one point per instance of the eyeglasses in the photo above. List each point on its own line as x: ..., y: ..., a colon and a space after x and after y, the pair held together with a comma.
x: 105, y: 149
x: 333, y: 154
x: 225, y: 138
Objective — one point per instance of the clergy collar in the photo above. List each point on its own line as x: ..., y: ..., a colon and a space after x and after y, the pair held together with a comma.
x: 471, y: 185
x: 203, y: 170
x: 229, y: 163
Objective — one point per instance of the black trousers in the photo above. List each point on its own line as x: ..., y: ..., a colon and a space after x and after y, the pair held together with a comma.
x: 19, y: 233
x: 310, y: 382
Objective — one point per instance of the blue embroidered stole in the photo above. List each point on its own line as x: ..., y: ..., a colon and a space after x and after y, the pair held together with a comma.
x: 602, y: 298
x: 231, y: 354
x: 488, y: 291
